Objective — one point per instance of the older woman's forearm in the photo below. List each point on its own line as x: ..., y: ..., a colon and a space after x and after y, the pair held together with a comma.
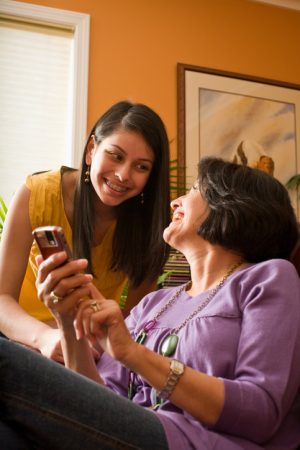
x: 199, y: 394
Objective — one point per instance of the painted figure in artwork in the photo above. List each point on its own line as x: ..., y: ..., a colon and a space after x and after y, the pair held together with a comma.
x: 252, y: 154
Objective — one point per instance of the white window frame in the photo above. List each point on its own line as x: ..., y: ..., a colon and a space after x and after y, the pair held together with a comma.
x: 80, y: 24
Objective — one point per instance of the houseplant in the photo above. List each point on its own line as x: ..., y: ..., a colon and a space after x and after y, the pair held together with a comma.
x: 3, y: 211
x: 293, y: 182
x: 177, y: 186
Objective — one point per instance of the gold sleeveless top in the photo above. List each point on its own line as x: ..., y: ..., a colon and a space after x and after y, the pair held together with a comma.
x: 46, y: 208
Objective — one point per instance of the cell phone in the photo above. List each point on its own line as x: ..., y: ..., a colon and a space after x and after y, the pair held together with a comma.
x: 50, y: 240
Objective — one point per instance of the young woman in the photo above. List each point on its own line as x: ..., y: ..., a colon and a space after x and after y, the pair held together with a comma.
x: 213, y: 364
x: 113, y: 211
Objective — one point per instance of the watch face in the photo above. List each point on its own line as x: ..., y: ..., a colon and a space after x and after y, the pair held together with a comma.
x: 176, y: 370
x: 177, y: 367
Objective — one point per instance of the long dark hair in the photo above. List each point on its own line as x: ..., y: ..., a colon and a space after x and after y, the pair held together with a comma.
x: 250, y: 211
x: 138, y: 247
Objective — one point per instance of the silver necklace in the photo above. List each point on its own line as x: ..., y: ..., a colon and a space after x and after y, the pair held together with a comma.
x: 169, y: 343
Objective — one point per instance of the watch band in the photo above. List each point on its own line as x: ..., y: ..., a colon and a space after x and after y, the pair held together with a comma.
x: 176, y: 371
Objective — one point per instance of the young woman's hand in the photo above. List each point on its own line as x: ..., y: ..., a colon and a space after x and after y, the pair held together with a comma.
x: 61, y: 285
x: 49, y: 345
x: 70, y: 285
x: 102, y: 322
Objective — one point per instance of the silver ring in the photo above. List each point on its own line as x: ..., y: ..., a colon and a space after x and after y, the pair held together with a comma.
x: 55, y: 298
x: 95, y: 306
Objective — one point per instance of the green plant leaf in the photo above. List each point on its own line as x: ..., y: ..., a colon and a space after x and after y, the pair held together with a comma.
x: 177, y: 185
x: 293, y: 182
x: 3, y: 211
x: 163, y: 277
x: 3, y: 205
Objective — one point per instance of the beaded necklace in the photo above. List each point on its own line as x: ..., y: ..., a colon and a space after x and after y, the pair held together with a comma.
x: 169, y: 343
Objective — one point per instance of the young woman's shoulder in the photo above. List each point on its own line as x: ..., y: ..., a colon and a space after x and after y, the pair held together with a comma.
x: 51, y: 178
x: 47, y: 198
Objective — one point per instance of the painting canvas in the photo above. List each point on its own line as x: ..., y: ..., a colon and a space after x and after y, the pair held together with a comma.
x: 248, y: 121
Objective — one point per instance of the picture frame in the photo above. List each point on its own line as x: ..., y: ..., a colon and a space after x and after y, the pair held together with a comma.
x: 237, y: 117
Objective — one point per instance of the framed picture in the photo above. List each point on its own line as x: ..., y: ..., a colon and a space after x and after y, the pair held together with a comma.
x: 250, y: 120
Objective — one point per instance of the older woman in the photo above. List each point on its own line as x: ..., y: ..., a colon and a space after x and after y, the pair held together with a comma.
x: 213, y: 364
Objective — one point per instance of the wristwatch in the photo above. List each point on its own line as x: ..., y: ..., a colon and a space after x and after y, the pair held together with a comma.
x: 176, y: 371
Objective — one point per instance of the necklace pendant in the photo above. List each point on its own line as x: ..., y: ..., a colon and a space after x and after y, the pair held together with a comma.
x: 141, y: 337
x: 144, y: 332
x: 130, y: 392
x: 149, y: 325
x: 168, y: 345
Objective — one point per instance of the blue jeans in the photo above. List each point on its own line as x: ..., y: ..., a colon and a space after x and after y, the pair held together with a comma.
x: 43, y: 405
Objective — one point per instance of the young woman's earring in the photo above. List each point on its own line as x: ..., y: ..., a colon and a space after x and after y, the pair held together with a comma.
x: 142, y: 197
x: 87, y: 175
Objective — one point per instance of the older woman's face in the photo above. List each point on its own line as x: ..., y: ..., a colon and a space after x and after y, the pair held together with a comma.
x: 189, y: 212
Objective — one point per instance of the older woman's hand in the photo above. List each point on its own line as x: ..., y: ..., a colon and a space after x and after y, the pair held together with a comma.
x: 102, y: 322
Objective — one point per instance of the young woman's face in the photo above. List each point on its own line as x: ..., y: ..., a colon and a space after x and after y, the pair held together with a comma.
x: 189, y: 212
x: 120, y: 166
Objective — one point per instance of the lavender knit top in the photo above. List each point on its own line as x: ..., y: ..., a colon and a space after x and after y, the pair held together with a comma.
x: 248, y: 335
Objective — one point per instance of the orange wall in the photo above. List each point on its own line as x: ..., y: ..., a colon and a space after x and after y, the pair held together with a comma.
x: 136, y: 44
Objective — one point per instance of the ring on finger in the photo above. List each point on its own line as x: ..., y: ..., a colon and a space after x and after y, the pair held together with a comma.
x: 95, y: 306
x: 55, y: 298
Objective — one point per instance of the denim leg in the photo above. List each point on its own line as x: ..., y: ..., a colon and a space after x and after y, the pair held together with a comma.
x: 54, y: 408
x: 10, y: 439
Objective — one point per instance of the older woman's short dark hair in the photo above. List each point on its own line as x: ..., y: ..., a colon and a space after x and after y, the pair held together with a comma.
x: 250, y: 211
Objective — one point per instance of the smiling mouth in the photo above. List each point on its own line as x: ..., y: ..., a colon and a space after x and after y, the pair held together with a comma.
x: 177, y: 217
x: 116, y: 187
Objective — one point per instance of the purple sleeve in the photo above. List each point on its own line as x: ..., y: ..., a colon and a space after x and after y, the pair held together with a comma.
x: 267, y: 372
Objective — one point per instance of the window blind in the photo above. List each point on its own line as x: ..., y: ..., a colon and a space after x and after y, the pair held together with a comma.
x: 35, y: 100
